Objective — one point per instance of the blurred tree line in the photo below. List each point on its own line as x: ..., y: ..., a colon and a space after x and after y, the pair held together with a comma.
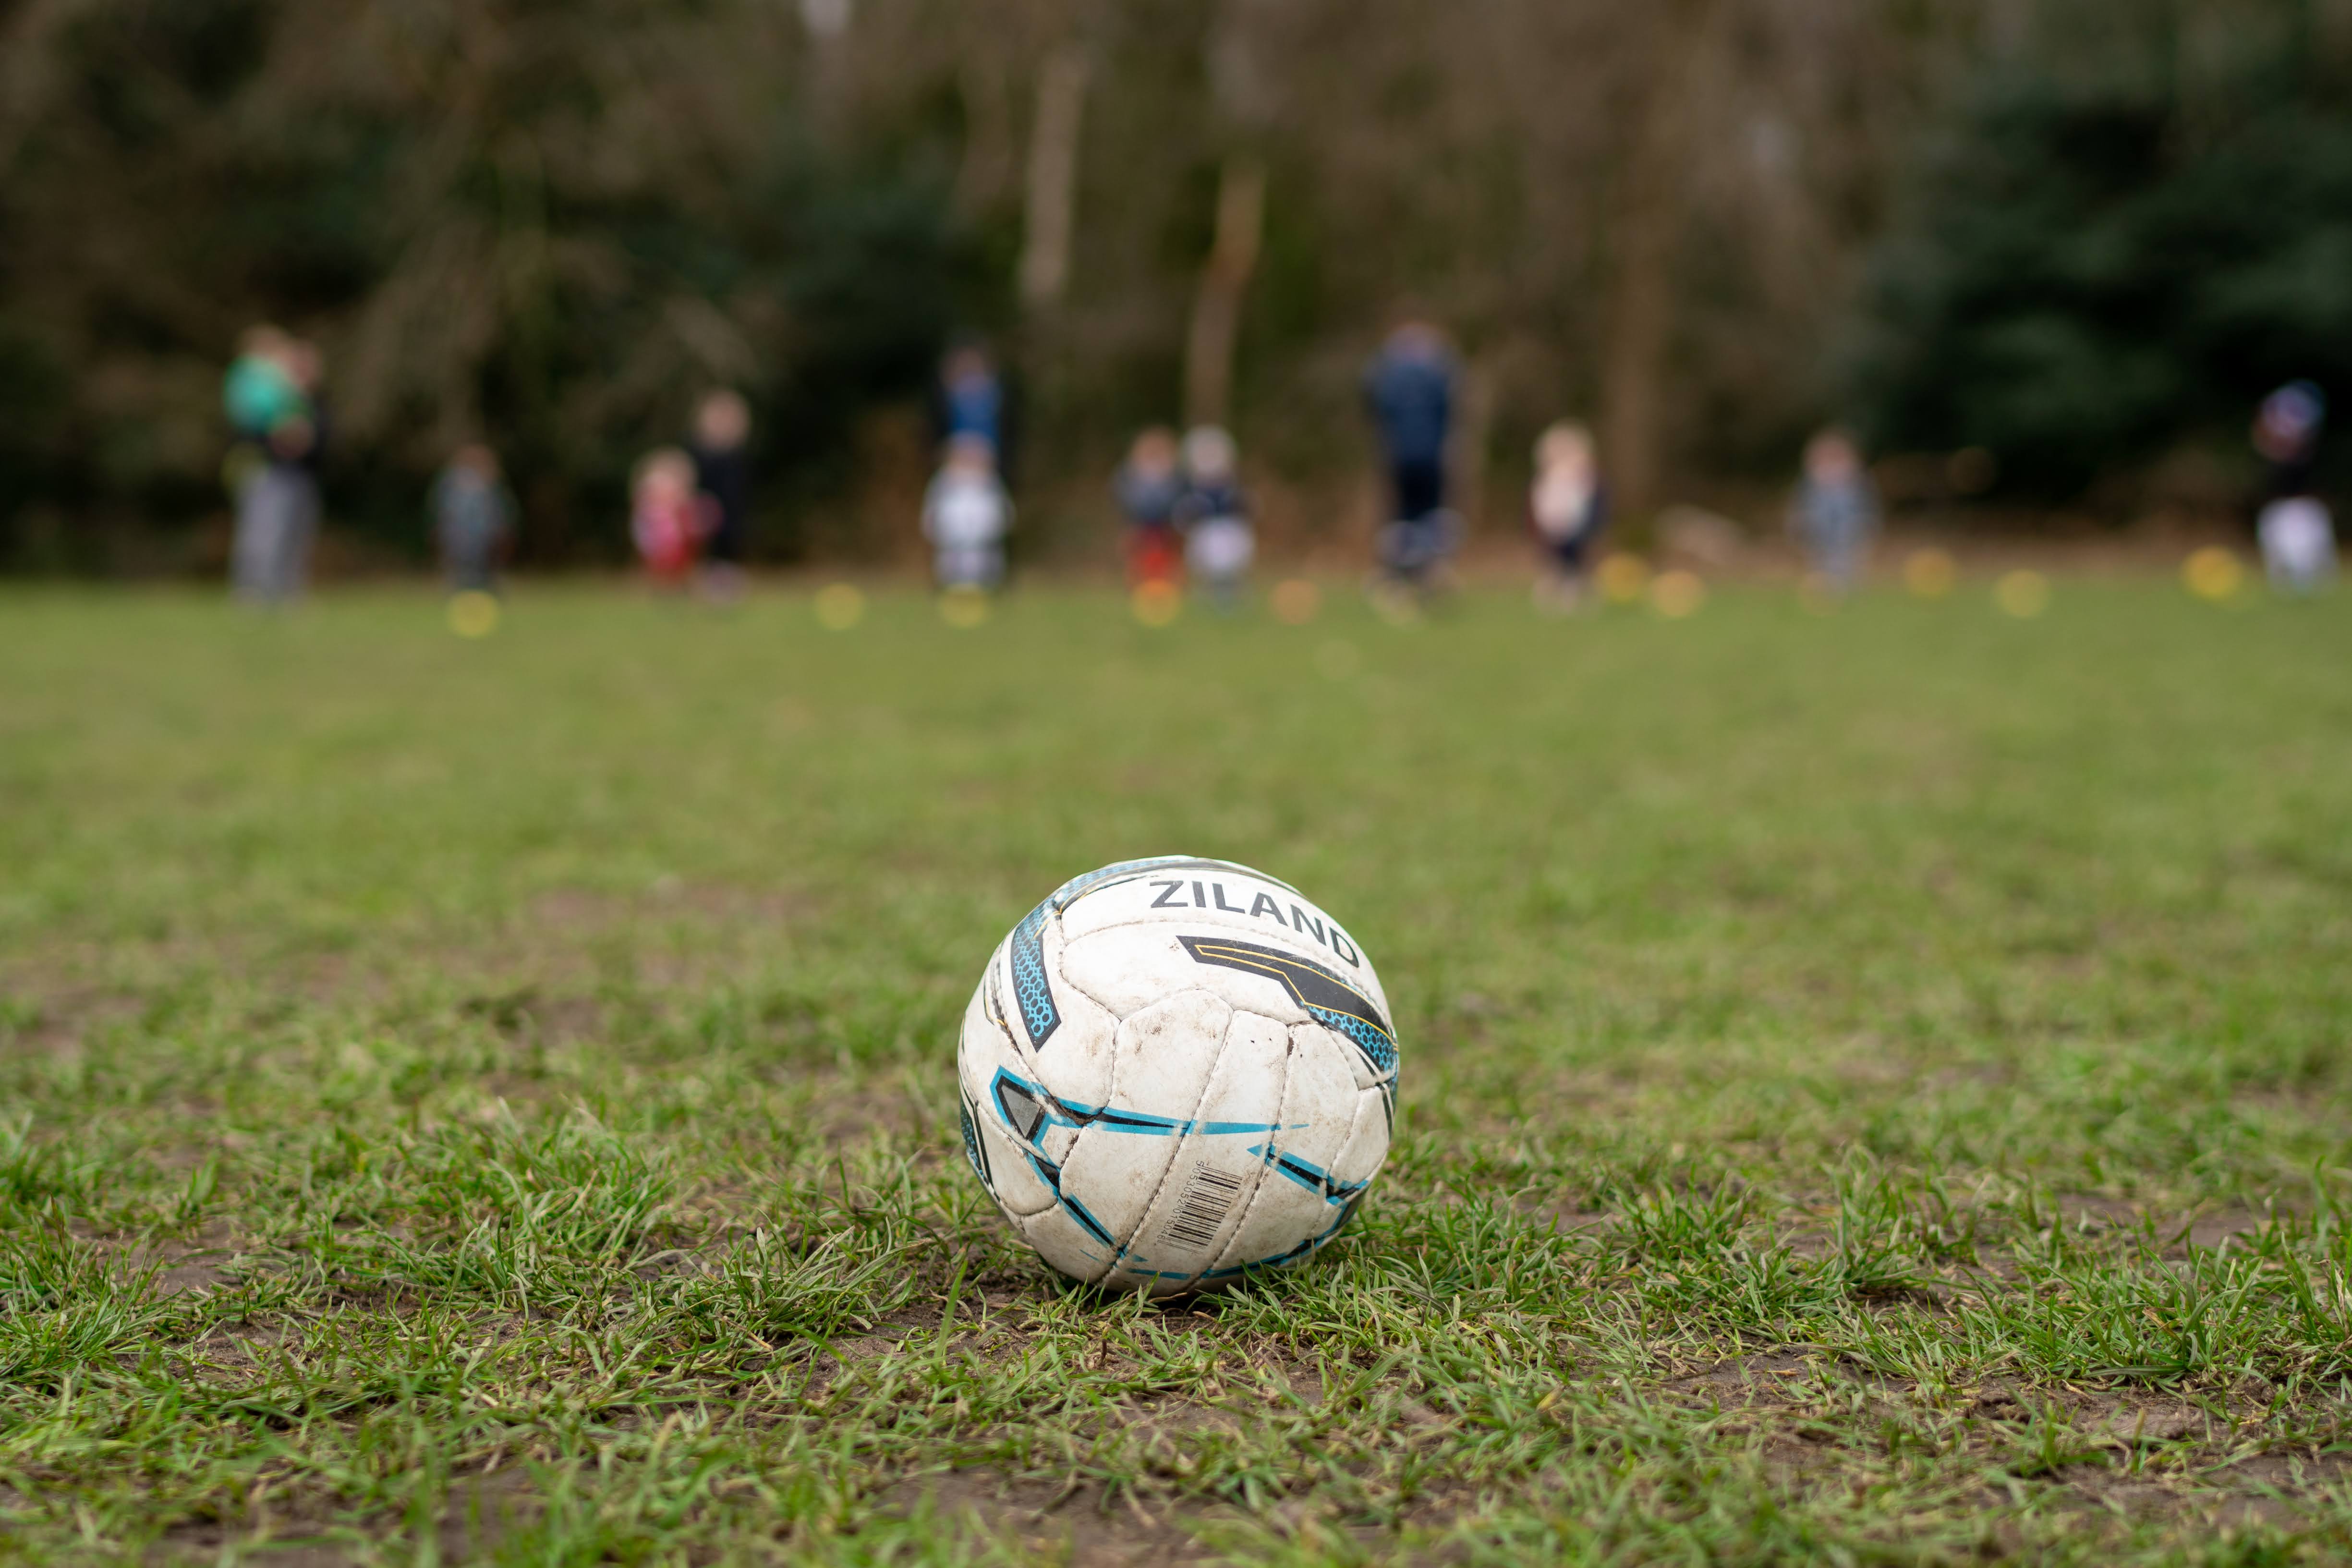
x: 2081, y: 235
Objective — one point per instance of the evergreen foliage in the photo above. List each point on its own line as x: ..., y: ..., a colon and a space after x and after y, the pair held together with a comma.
x: 2095, y: 272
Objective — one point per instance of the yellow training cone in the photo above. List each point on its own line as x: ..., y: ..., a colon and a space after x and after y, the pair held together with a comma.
x: 963, y: 608
x: 1677, y: 594
x: 1929, y: 574
x: 2024, y: 593
x: 2212, y: 574
x: 839, y: 607
x: 1296, y: 601
x: 1622, y: 578
x: 472, y: 613
x: 1157, y: 604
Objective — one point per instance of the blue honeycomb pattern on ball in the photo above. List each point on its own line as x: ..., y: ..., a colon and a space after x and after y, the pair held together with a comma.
x: 1378, y: 1047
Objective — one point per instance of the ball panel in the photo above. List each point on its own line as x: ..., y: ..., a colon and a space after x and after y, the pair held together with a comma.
x: 1166, y: 1051
x: 1352, y: 1053
x: 998, y: 1154
x: 1302, y: 1199
x: 1114, y: 1177
x: 1285, y: 1225
x: 1218, y: 1166
x: 1360, y: 1160
x: 1164, y: 1055
x: 1319, y: 1103
x: 1062, y: 1240
x: 1012, y: 1179
x: 1075, y: 1061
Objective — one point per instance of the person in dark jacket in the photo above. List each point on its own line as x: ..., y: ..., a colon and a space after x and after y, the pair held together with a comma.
x: 2286, y: 435
x: 972, y: 398
x: 1409, y: 388
x: 722, y: 476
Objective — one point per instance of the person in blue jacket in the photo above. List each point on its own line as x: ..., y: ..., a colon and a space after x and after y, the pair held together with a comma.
x: 1409, y: 389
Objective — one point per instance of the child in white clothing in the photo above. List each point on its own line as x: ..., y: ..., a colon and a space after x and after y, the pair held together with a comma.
x: 2298, y: 540
x: 966, y: 515
x: 1214, y: 515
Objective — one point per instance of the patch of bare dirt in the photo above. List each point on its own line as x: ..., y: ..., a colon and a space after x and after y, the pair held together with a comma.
x: 2147, y: 1423
x: 298, y: 1532
x: 1571, y: 1219
x: 2288, y: 1469
x: 62, y: 1018
x: 1769, y: 1372
x: 1079, y: 1525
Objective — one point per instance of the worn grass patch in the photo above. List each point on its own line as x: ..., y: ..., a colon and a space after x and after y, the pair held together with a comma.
x: 1877, y: 1087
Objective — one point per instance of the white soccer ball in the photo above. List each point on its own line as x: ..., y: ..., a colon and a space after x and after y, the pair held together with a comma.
x: 1176, y: 1071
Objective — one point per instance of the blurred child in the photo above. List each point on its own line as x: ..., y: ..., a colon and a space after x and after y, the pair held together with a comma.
x: 1568, y: 508
x: 1214, y: 516
x: 723, y: 474
x: 966, y: 515
x: 667, y: 519
x: 1836, y: 508
x: 2298, y: 540
x: 1148, y: 488
x: 471, y: 519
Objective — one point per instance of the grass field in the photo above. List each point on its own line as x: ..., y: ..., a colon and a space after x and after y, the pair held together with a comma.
x: 1875, y: 1085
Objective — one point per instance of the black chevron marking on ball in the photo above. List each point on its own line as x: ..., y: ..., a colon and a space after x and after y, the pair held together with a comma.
x: 1309, y: 983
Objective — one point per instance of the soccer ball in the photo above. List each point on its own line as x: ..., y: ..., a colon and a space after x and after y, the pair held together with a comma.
x: 1176, y: 1071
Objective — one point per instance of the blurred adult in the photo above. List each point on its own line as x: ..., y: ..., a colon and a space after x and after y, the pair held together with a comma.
x: 2287, y: 428
x: 273, y: 398
x: 1835, y: 513
x: 471, y: 519
x: 1409, y: 388
x: 723, y: 474
x: 1568, y: 507
x: 970, y: 399
x: 258, y: 390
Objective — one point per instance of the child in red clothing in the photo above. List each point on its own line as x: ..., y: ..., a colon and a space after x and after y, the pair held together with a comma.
x: 667, y: 517
x: 1149, y: 485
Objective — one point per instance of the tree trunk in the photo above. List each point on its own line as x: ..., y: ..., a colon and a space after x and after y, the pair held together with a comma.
x: 1053, y: 194
x: 986, y: 169
x: 1647, y: 228
x: 1217, y: 301
x: 1472, y: 435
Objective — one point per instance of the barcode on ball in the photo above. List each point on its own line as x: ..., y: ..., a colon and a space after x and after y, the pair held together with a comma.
x: 1208, y: 1198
